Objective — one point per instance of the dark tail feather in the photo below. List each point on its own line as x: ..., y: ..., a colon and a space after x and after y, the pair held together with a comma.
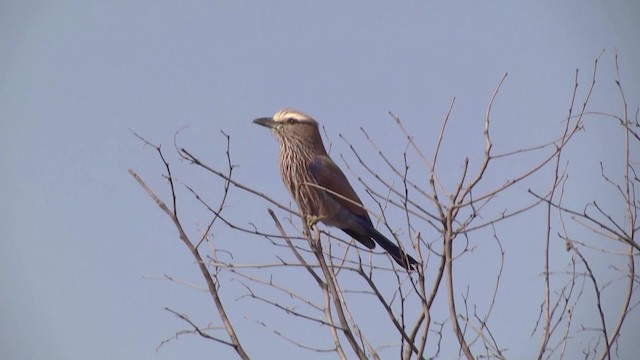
x: 364, y: 239
x: 402, y: 258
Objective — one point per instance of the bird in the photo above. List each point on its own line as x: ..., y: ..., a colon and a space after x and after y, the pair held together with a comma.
x: 318, y: 186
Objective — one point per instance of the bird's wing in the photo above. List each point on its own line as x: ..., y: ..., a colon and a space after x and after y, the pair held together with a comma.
x: 327, y: 174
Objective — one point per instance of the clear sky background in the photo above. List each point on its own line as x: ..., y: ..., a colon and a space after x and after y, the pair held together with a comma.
x: 81, y: 243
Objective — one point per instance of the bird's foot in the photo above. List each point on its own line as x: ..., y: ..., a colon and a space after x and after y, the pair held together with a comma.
x: 312, y: 220
x: 312, y: 230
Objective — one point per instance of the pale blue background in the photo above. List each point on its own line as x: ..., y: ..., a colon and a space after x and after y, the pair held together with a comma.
x: 79, y: 238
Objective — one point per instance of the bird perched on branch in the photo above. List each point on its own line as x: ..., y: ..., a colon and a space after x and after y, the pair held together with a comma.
x: 319, y: 187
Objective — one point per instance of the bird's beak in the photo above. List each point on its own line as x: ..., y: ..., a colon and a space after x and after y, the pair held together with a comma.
x: 266, y: 122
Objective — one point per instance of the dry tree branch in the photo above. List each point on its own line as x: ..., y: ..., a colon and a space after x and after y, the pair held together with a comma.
x: 173, y: 215
x: 292, y: 341
x: 429, y: 217
x: 285, y: 309
x: 297, y: 254
x: 389, y: 311
x: 331, y: 291
x: 448, y: 217
x: 356, y: 329
x: 193, y: 159
x: 197, y: 329
x: 631, y: 215
x: 436, y: 152
x: 598, y: 298
x: 567, y: 134
x: 281, y: 288
x: 321, y: 284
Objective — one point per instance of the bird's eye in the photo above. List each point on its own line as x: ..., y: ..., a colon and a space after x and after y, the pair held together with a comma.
x: 291, y: 120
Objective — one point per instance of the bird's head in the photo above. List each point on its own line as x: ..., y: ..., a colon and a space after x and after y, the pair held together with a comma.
x: 291, y: 125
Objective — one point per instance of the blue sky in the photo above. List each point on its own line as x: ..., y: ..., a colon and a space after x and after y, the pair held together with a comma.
x: 83, y: 246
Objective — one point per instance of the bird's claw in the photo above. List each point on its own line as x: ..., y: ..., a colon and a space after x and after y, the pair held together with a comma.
x: 312, y: 220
